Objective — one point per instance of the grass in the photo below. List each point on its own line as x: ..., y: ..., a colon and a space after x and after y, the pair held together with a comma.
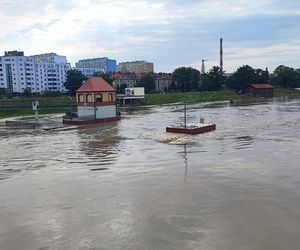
x: 193, y: 97
x: 29, y: 112
x: 44, y: 101
x: 278, y: 92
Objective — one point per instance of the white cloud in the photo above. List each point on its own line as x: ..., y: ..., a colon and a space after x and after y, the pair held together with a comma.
x: 120, y: 29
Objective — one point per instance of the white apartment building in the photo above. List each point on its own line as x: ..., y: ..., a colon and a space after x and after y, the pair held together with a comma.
x: 136, y: 67
x: 45, y: 72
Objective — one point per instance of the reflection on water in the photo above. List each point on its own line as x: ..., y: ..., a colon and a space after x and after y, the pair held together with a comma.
x: 185, y: 157
x: 100, y: 144
x: 116, y: 186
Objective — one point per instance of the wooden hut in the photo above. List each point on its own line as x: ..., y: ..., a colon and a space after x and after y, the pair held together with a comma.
x: 260, y: 90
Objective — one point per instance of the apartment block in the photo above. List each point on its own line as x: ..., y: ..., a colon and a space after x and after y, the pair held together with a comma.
x: 44, y: 72
x: 136, y: 67
x: 163, y: 81
x: 90, y: 66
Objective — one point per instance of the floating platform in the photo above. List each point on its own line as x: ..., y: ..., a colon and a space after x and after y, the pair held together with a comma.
x: 77, y: 121
x: 192, y: 128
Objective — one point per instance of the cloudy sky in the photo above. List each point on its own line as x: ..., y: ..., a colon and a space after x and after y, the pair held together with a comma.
x: 170, y: 33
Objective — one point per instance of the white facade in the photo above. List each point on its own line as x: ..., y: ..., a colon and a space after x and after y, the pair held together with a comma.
x: 46, y: 72
x: 99, y: 112
x: 137, y: 91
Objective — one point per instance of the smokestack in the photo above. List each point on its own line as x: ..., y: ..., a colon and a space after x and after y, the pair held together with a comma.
x: 221, y: 54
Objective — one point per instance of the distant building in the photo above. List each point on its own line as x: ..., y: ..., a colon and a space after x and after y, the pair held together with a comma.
x: 45, y: 72
x: 163, y: 81
x: 132, y: 96
x: 128, y: 79
x: 136, y: 67
x: 260, y: 90
x: 90, y: 66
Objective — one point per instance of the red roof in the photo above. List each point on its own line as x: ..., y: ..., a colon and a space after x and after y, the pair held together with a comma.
x: 262, y: 86
x: 95, y: 84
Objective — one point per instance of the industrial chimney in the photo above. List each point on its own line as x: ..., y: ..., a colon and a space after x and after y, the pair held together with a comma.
x: 221, y: 54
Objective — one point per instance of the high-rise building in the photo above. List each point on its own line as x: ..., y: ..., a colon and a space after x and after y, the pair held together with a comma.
x: 45, y: 72
x: 136, y: 67
x: 90, y: 66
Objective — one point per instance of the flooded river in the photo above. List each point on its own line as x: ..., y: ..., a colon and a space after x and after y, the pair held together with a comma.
x: 116, y: 186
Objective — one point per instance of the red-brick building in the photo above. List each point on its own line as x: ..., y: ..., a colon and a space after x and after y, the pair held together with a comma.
x: 260, y: 90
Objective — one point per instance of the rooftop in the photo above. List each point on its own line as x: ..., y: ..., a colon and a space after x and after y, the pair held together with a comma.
x: 262, y: 86
x: 94, y: 84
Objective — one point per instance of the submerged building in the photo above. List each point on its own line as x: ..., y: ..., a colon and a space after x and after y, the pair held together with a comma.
x: 96, y: 102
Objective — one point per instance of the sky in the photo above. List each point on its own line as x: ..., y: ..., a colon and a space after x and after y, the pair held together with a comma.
x: 169, y: 33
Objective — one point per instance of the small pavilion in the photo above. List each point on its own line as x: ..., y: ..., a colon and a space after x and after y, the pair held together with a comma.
x: 96, y: 102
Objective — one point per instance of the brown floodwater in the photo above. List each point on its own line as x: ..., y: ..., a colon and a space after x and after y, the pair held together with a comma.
x: 116, y: 186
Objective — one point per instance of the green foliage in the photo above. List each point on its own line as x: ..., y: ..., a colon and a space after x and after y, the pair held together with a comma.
x: 286, y: 77
x: 4, y: 93
x: 241, y: 79
x: 121, y: 89
x: 193, y: 97
x: 106, y: 76
x: 185, y: 79
x: 27, y: 92
x: 48, y: 93
x: 148, y: 82
x: 263, y: 76
x: 213, y: 80
x: 74, y: 80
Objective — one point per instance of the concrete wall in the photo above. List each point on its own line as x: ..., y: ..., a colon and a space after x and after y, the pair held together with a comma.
x: 106, y: 111
x: 86, y: 112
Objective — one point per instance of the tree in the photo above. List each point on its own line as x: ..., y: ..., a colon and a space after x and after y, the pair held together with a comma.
x: 121, y: 88
x: 27, y: 92
x: 186, y: 79
x: 240, y: 79
x: 148, y: 82
x: 213, y: 80
x: 74, y: 80
x: 106, y: 76
x: 263, y: 76
x: 286, y: 77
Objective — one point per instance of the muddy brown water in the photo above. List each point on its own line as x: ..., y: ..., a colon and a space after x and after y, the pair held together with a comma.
x: 115, y: 186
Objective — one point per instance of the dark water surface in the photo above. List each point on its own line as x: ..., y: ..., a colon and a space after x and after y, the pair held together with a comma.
x: 113, y: 186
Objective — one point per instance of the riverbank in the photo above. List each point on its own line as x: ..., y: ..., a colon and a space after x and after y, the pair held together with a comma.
x: 62, y: 104
x: 209, y: 96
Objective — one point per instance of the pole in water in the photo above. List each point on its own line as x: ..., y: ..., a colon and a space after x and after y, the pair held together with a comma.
x: 184, y: 106
x: 35, y: 108
x: 184, y: 113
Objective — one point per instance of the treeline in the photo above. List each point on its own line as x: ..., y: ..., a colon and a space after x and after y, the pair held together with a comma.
x: 189, y: 79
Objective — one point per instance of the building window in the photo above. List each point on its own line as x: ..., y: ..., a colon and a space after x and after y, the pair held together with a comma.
x: 81, y: 98
x: 89, y: 98
x: 98, y: 97
x: 110, y: 97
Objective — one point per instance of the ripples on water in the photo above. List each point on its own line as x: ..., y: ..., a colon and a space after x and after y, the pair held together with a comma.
x: 121, y: 180
x: 238, y: 127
